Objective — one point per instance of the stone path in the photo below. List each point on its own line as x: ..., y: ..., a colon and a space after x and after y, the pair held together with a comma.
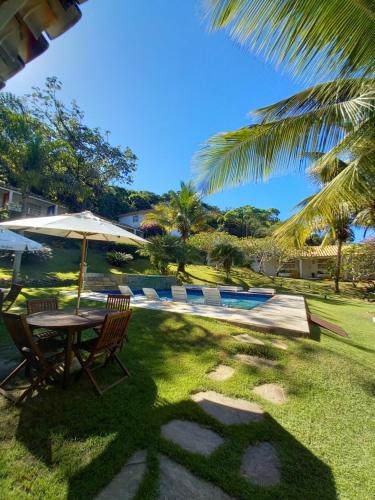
x: 177, y: 483
x: 271, y: 392
x: 260, y: 464
x: 247, y: 339
x: 221, y: 372
x: 256, y: 361
x: 279, y: 344
x: 228, y: 410
x: 191, y: 436
x: 125, y: 485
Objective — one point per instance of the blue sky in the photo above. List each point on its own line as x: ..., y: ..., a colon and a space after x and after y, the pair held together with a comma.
x: 150, y: 72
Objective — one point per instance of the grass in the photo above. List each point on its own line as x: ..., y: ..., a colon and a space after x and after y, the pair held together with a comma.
x: 70, y: 444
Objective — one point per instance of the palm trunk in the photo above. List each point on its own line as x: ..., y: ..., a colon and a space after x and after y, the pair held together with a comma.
x: 338, y: 266
x: 181, y: 267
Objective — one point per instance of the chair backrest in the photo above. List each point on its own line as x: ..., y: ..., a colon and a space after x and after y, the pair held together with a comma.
x: 151, y: 293
x: 1, y: 300
x: 212, y: 296
x: 11, y: 296
x: 116, y: 302
x: 23, y: 338
x: 179, y: 293
x: 113, y: 330
x: 126, y: 290
x: 39, y: 305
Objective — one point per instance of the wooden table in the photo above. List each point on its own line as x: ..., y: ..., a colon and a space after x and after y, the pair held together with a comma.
x: 67, y: 322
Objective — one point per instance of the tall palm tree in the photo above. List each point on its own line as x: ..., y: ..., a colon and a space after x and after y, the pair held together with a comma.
x: 310, y: 37
x: 184, y: 213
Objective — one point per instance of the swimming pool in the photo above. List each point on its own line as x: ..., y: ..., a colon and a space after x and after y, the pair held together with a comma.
x: 239, y: 300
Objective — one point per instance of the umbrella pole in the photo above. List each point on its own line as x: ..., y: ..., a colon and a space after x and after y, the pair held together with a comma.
x: 81, y: 271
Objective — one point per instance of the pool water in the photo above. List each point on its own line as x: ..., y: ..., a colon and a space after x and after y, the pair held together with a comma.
x: 240, y: 300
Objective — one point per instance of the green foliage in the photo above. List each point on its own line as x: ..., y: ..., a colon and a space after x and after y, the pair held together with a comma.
x: 249, y: 221
x: 118, y: 259
x: 226, y: 255
x: 205, y: 242
x: 161, y: 250
x: 358, y: 262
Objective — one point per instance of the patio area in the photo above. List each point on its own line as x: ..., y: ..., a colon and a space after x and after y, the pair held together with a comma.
x: 282, y: 314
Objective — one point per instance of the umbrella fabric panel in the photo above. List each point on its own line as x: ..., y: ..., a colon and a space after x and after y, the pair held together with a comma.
x: 17, y: 243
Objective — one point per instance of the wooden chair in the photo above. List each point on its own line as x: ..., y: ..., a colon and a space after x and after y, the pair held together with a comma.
x: 108, y: 343
x: 38, y: 364
x: 117, y: 302
x: 40, y: 305
x: 9, y: 299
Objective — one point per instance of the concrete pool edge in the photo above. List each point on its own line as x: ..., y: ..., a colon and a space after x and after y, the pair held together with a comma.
x: 281, y: 314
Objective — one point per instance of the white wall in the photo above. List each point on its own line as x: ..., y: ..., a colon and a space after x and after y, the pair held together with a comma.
x: 132, y: 220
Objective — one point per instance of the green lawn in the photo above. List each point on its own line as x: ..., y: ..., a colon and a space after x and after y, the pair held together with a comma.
x: 70, y: 444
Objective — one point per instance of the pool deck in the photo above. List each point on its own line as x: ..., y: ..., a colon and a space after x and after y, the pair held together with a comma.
x: 282, y: 314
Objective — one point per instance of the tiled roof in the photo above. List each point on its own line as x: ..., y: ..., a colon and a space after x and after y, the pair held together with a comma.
x: 326, y: 251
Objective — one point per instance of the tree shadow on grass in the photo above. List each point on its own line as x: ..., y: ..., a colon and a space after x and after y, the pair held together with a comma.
x: 88, y: 439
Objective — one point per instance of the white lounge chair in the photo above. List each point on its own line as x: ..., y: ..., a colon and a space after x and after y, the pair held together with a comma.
x: 179, y: 294
x: 263, y: 291
x: 226, y: 288
x: 125, y: 290
x: 151, y: 294
x: 212, y: 296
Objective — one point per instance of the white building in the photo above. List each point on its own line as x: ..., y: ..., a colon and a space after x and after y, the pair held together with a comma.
x: 36, y: 206
x: 133, y: 219
x: 315, y: 262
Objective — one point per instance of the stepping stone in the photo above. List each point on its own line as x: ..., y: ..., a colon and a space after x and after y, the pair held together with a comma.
x: 248, y: 339
x: 178, y: 483
x: 255, y: 361
x: 125, y: 485
x: 279, y: 344
x: 260, y: 464
x: 192, y: 437
x: 271, y: 392
x: 228, y: 410
x: 221, y: 372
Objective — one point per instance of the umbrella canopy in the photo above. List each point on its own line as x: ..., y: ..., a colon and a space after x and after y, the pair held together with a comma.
x: 16, y: 242
x: 84, y: 226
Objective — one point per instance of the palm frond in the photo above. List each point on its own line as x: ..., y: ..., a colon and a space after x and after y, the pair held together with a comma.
x: 332, y: 37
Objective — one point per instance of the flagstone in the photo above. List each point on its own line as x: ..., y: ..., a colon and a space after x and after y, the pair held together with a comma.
x: 255, y: 361
x: 248, y: 339
x: 176, y: 482
x: 125, y: 485
x: 221, y: 372
x: 271, y: 392
x: 192, y: 436
x: 228, y: 410
x: 279, y: 344
x: 260, y: 464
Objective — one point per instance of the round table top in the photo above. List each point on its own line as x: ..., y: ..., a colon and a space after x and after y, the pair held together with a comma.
x: 66, y: 318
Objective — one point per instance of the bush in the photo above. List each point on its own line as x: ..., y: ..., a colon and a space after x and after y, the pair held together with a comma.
x: 37, y: 257
x: 118, y: 259
x: 127, y: 248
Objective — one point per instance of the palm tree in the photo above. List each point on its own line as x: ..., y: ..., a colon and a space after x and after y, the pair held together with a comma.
x: 310, y: 38
x: 184, y: 213
x: 226, y: 255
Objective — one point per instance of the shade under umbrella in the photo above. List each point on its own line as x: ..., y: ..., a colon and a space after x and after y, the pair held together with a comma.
x: 14, y: 242
x: 84, y: 226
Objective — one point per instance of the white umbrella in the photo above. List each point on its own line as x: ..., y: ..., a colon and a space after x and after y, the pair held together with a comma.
x: 14, y: 242
x: 84, y: 226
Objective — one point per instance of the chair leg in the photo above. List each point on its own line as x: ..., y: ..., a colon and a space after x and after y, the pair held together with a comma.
x: 88, y: 371
x: 14, y: 372
x: 33, y: 386
x: 121, y: 365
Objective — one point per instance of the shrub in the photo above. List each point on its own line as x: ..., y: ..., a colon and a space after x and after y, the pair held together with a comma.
x: 118, y: 259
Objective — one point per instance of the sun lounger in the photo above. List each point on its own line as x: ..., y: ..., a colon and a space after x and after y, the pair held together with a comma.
x: 151, y: 294
x: 212, y: 296
x: 226, y: 288
x: 179, y: 294
x: 125, y: 290
x: 263, y: 291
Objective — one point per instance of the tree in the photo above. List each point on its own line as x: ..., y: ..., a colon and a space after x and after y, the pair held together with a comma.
x: 95, y: 163
x: 358, y: 262
x: 226, y: 255
x: 163, y: 250
x: 183, y: 213
x: 204, y: 242
x: 249, y: 221
x: 258, y: 251
x: 310, y: 37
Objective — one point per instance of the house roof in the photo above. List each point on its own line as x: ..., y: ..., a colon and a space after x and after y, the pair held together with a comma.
x: 326, y: 251
x: 137, y: 212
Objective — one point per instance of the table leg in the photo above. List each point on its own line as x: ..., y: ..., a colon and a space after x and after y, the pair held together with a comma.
x: 68, y: 357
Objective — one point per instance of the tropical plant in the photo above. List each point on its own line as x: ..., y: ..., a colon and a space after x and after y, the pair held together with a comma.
x: 337, y: 117
x: 358, y: 262
x: 259, y: 251
x: 249, y: 221
x: 162, y: 251
x: 118, y: 259
x: 183, y: 213
x: 226, y: 255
